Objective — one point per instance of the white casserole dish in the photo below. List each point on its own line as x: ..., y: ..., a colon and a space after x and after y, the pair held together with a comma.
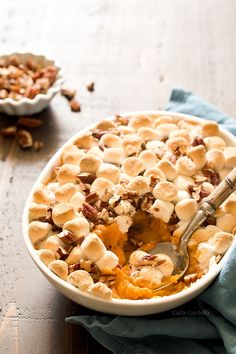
x: 120, y: 306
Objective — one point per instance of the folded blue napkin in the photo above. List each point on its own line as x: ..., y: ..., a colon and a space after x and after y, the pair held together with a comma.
x: 203, y: 326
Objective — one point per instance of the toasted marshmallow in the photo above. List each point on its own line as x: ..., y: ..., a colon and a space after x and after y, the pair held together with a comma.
x: 226, y: 222
x: 67, y: 173
x: 136, y: 257
x: 178, y: 143
x: 78, y: 226
x: 124, y: 208
x: 118, y: 189
x: 108, y: 171
x: 46, y: 256
x: 223, y: 173
x: 221, y: 242
x: 204, y: 252
x: 165, y: 191
x: 77, y: 200
x: 53, y: 242
x: 124, y: 130
x: 155, y: 172
x: 151, y: 274
x: 163, y: 120
x: 131, y: 144
x: 52, y: 186
x: 81, y: 279
x: 96, y: 152
x: 180, y: 133
x: 162, y: 210
x: 89, y: 163
x: 100, y: 290
x: 38, y: 231
x: 107, y: 262
x: 230, y: 206
x: 198, y: 155
x: 139, y: 184
x: 106, y: 124
x: 139, y: 120
x: 185, y: 166
x: 203, y: 235
x: 165, y: 129
x: 73, y: 157
x: 124, y: 222
x: 210, y: 129
x: 181, y: 226
x: 230, y: 157
x: 93, y: 247
x: 187, y: 124
x: 111, y: 140
x: 214, y: 142
x: 101, y: 186
x: 148, y: 157
x: 113, y: 155
x: 182, y: 182
x: 43, y: 196
x: 156, y: 146
x: 69, y: 148
x: 60, y: 268
x: 185, y: 209
x: 167, y: 267
x: 61, y: 213
x: 65, y: 192
x: 181, y: 195
x: 167, y: 168
x: 85, y: 141
x: 215, y: 159
x: 37, y: 211
x: 75, y: 256
x: 132, y: 166
x: 148, y: 133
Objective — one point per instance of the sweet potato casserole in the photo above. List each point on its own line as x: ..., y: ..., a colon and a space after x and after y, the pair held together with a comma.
x: 121, y: 188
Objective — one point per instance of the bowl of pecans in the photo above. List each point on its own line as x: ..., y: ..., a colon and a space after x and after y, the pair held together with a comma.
x: 28, y: 82
x: 113, y: 192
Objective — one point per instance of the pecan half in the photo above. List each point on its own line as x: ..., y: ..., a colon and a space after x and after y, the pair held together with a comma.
x: 75, y: 105
x: 86, y: 177
x: 121, y: 120
x: 213, y: 176
x: 63, y: 254
x: 38, y: 145
x: 92, y: 198
x: 198, y: 192
x: 198, y: 140
x: 9, y: 131
x: 90, y: 86
x: 89, y: 212
x: 67, y: 236
x: 68, y: 93
x: 27, y: 122
x: 25, y: 139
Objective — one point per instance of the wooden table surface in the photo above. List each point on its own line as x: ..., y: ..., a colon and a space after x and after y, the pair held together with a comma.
x: 135, y: 51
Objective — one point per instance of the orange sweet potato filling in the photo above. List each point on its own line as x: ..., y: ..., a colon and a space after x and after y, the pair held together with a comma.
x: 147, y: 231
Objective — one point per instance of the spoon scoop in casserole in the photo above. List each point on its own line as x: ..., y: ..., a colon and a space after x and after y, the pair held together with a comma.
x: 179, y: 254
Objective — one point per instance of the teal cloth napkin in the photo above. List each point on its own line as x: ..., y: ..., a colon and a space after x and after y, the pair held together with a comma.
x: 203, y: 326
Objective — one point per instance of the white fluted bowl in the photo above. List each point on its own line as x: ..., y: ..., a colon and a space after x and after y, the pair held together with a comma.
x: 27, y: 106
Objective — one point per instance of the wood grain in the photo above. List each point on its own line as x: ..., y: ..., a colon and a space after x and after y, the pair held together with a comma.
x: 135, y: 51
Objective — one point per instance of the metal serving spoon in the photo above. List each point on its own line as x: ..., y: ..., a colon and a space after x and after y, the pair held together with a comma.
x: 179, y: 254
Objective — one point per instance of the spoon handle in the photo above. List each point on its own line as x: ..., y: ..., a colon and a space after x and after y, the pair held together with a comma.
x: 223, y: 190
x: 209, y: 206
